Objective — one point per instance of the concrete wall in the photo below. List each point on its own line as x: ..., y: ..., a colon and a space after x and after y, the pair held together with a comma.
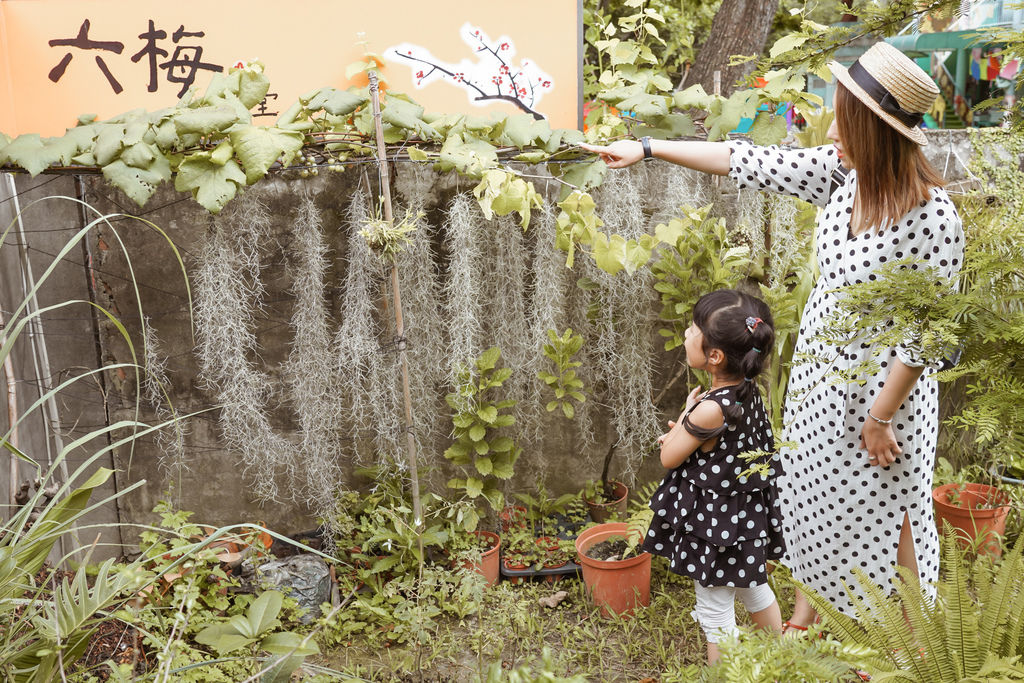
x: 213, y: 485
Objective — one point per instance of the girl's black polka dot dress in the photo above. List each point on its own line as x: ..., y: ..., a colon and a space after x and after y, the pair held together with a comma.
x: 840, y: 511
x: 712, y: 523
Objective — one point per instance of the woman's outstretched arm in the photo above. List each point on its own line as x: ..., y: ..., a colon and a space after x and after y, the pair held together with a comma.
x: 709, y: 157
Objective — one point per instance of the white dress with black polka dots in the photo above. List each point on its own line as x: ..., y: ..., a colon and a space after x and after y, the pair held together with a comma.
x: 711, y: 522
x: 839, y: 511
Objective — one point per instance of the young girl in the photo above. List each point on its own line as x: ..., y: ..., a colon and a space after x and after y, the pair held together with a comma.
x: 711, y: 522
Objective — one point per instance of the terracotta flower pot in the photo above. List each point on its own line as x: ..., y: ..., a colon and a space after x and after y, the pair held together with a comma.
x: 516, y: 566
x: 976, y: 526
x: 548, y: 543
x: 512, y: 517
x: 487, y: 567
x: 601, y: 512
x: 617, y: 586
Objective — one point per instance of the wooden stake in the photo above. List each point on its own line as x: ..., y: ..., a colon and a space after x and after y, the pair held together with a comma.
x: 385, y: 190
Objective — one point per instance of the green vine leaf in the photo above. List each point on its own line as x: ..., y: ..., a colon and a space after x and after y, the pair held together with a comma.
x: 68, y: 146
x: 258, y: 148
x: 138, y: 183
x: 253, y: 84
x: 28, y: 152
x: 583, y: 177
x: 501, y: 192
x: 609, y: 252
x: 522, y: 130
x: 205, y: 120
x: 338, y: 102
x: 768, y: 129
x: 212, y: 181
x: 409, y: 115
x: 467, y: 154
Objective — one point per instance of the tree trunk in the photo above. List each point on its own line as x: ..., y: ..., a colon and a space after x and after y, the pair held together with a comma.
x: 740, y: 28
x: 848, y: 17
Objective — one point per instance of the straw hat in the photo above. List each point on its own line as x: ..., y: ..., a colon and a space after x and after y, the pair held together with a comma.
x: 892, y: 86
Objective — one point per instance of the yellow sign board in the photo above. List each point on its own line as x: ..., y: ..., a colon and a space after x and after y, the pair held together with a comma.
x: 63, y: 58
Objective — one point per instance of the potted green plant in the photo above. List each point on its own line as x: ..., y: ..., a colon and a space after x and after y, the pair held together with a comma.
x: 975, y: 512
x: 542, y: 511
x: 521, y: 553
x: 617, y: 577
x: 605, y: 498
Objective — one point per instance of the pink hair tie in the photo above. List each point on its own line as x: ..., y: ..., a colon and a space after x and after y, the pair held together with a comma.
x: 752, y: 324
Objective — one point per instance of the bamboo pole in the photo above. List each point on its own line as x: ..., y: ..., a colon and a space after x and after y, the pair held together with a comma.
x: 385, y: 190
x: 12, y: 417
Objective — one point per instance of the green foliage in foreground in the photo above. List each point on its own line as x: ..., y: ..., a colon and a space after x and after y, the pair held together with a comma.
x: 973, y: 631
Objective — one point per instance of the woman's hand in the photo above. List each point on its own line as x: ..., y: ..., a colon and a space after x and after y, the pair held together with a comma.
x: 691, y: 400
x: 619, y: 154
x: 671, y: 426
x: 880, y: 442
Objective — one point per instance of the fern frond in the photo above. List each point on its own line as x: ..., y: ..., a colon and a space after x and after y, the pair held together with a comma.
x: 886, y: 617
x: 1002, y: 599
x: 962, y: 647
x: 926, y: 622
x: 1013, y: 638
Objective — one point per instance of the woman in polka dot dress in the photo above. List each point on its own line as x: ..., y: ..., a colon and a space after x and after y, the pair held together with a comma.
x: 856, y: 491
x: 716, y: 518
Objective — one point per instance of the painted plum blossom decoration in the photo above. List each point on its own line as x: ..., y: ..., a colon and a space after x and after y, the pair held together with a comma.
x: 493, y: 76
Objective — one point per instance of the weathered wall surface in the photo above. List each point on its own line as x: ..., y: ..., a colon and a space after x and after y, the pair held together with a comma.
x: 210, y: 479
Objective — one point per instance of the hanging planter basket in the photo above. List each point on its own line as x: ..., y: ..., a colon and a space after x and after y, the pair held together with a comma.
x: 616, y: 586
x: 977, y: 512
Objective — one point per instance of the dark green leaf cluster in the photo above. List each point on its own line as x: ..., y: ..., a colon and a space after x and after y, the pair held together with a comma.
x: 696, y: 258
x: 480, y: 448
x: 566, y: 385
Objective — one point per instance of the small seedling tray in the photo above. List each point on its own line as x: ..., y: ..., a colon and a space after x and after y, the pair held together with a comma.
x: 566, y: 569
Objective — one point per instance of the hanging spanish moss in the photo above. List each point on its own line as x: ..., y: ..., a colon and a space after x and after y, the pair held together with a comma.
x: 228, y: 293
x: 156, y: 385
x: 364, y: 352
x: 751, y: 220
x: 467, y: 284
x: 310, y: 370
x: 623, y: 349
x: 785, y: 238
x: 669, y: 189
x: 504, y: 287
x: 463, y: 290
x: 552, y: 283
x: 425, y: 326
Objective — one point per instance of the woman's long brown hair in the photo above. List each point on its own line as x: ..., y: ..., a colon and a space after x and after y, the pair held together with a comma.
x: 893, y: 174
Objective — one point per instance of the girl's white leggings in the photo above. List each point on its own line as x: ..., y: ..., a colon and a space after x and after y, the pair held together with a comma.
x: 716, y: 607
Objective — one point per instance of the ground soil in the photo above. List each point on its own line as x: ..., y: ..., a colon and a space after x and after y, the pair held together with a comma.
x: 613, y: 549
x: 117, y: 642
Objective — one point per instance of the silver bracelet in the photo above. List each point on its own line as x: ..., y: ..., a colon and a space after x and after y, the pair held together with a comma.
x: 881, y: 422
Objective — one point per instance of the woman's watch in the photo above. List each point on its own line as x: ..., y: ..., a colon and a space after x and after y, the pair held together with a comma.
x: 645, y: 142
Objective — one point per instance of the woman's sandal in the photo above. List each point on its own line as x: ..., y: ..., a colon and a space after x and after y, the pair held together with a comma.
x: 788, y: 625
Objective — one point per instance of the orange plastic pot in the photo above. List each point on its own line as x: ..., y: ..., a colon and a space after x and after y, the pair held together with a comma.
x: 601, y: 512
x: 512, y: 517
x: 616, y: 586
x: 488, y: 565
x: 975, y: 526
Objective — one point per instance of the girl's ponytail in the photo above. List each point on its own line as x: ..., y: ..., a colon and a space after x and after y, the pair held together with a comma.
x: 762, y: 340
